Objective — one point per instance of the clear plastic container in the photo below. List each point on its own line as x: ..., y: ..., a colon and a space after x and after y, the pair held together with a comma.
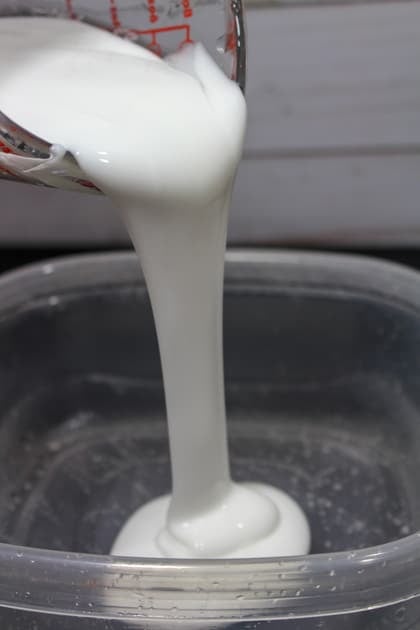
x: 323, y: 395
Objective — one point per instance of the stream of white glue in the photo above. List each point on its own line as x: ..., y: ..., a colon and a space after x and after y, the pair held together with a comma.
x: 162, y: 138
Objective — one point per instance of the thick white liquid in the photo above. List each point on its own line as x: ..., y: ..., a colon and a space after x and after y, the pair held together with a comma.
x: 162, y: 139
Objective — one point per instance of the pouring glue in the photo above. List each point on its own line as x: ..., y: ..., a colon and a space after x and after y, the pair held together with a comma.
x: 163, y: 139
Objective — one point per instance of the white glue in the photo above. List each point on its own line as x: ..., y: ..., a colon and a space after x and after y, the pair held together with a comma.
x: 162, y: 138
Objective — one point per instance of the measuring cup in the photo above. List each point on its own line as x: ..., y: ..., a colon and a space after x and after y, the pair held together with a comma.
x: 163, y: 26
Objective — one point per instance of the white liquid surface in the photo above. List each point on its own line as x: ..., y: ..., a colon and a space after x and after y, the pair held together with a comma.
x: 163, y: 140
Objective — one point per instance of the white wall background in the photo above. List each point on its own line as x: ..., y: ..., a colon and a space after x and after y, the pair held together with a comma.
x: 333, y: 146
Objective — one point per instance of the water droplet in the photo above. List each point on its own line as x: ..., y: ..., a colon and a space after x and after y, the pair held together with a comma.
x: 399, y: 614
x: 221, y: 44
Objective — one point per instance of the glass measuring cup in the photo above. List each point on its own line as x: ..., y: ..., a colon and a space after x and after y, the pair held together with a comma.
x: 163, y: 26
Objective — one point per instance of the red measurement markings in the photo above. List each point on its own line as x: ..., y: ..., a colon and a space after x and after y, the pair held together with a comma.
x: 230, y: 44
x: 4, y: 148
x: 153, y: 14
x: 153, y: 33
x: 113, y: 9
x: 6, y: 171
x: 187, y: 9
x: 70, y: 10
x: 86, y: 184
